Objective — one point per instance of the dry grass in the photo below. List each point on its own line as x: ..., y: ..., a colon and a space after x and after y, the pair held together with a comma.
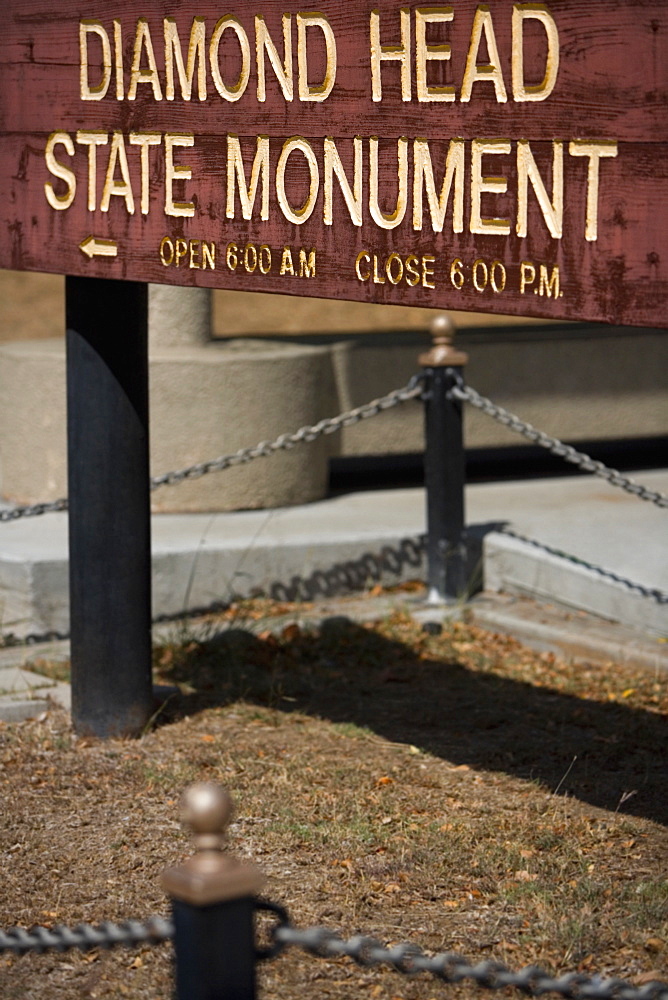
x: 387, y: 780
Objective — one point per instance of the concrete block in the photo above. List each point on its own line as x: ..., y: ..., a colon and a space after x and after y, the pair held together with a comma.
x: 206, y: 400
x: 178, y: 317
x: 216, y: 399
x: 574, y: 382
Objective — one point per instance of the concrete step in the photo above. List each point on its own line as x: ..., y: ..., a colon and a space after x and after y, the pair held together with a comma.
x: 576, y: 541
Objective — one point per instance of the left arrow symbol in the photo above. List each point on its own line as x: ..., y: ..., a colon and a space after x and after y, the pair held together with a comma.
x: 93, y: 247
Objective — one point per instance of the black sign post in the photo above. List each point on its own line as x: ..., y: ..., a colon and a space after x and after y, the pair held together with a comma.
x: 109, y: 512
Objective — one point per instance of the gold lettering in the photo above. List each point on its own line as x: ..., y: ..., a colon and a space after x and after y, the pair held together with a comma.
x: 412, y: 273
x: 425, y: 53
x: 321, y: 91
x: 144, y: 140
x: 399, y: 53
x: 378, y: 279
x: 306, y: 264
x: 193, y: 260
x: 363, y: 255
x: 379, y: 217
x: 118, y: 61
x: 527, y: 170
x: 236, y: 174
x: 423, y: 175
x: 287, y: 266
x: 122, y: 188
x: 138, y: 75
x: 487, y: 185
x: 174, y: 53
x: 489, y: 72
x: 166, y: 244
x: 527, y: 275
x: 176, y: 173
x: 548, y: 286
x: 181, y: 248
x: 92, y: 140
x: 394, y: 278
x: 595, y: 151
x: 427, y: 270
x: 208, y: 256
x: 264, y: 43
x: 236, y: 91
x: 297, y: 215
x: 60, y: 201
x: 333, y: 165
x: 537, y: 12
x: 86, y: 28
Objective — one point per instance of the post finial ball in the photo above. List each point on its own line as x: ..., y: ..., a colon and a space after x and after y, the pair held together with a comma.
x: 443, y: 353
x: 206, y: 808
x: 442, y: 328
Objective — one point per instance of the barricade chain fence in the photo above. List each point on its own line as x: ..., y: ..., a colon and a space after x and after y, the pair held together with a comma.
x: 413, y: 390
x: 554, y: 445
x: 284, y: 442
x: 405, y: 958
x: 84, y: 937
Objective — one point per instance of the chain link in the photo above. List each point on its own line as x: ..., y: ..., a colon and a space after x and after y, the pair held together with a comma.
x: 405, y: 958
x: 305, y: 434
x: 332, y: 424
x: 32, y: 510
x: 282, y: 443
x: 554, y: 445
x: 85, y: 936
x: 409, y: 959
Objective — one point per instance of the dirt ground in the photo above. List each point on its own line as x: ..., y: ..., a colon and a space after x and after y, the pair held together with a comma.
x: 455, y: 789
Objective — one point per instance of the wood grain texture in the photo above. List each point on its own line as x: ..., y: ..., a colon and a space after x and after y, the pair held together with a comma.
x: 612, y: 86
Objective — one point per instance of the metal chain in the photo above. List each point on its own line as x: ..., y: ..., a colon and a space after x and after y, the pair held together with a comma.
x: 452, y: 968
x: 305, y: 434
x: 33, y: 510
x: 405, y: 958
x: 282, y: 443
x: 332, y: 424
x: 85, y: 936
x: 557, y: 447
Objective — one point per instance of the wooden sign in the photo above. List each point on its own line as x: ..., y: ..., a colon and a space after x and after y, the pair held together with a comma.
x: 508, y: 157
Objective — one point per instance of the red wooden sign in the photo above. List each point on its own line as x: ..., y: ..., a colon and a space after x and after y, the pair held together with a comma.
x: 506, y: 156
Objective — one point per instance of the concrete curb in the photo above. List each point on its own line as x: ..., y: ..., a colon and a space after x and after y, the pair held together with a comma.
x: 524, y: 567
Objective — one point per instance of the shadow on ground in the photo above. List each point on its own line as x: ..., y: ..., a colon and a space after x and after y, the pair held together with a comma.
x: 348, y: 673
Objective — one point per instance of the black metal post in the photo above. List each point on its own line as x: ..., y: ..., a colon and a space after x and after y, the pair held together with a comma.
x: 215, y: 950
x: 109, y: 513
x: 445, y: 473
x: 213, y: 905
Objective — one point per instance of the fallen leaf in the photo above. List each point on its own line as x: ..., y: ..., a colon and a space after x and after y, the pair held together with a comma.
x: 647, y: 977
x: 525, y: 876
